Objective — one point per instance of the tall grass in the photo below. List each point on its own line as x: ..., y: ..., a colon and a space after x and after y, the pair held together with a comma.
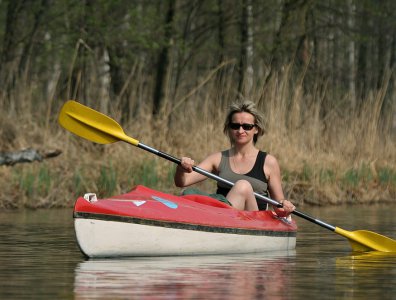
x: 328, y: 152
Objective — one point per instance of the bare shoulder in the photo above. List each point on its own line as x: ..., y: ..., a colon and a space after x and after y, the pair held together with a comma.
x: 271, y: 161
x: 214, y: 158
x: 212, y: 161
x: 271, y: 166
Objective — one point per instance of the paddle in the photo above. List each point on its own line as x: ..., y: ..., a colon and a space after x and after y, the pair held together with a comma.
x: 99, y: 128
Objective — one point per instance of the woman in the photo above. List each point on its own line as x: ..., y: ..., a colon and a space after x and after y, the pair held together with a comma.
x: 249, y: 168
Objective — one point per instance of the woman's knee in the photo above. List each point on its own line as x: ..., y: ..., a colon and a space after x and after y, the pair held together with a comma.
x: 243, y: 186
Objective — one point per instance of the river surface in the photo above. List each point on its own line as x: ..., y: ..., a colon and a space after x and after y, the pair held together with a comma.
x: 39, y: 259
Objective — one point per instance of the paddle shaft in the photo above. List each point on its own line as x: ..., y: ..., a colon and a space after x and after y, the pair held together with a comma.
x: 230, y: 183
x: 360, y: 240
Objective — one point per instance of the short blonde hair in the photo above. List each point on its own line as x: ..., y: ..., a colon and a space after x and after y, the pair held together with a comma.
x: 248, y: 107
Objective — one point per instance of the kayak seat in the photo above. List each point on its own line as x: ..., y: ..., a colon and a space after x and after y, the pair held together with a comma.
x: 206, y: 200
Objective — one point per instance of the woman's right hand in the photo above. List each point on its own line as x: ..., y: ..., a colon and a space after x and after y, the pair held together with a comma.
x: 186, y: 164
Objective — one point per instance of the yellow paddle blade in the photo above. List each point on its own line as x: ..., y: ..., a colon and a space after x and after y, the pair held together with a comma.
x: 363, y: 240
x: 92, y: 125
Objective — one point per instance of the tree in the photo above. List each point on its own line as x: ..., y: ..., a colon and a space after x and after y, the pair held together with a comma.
x: 163, y: 59
x: 290, y: 34
x: 245, y: 84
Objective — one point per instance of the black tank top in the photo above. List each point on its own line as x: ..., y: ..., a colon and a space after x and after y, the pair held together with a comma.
x: 255, y: 176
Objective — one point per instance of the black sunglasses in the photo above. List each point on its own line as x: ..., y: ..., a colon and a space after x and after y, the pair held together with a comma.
x: 245, y: 126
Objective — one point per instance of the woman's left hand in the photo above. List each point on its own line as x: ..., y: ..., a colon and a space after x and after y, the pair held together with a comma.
x: 286, y: 210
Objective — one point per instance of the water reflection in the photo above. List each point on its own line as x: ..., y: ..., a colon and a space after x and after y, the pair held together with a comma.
x: 38, y: 254
x: 367, y: 261
x: 367, y: 275
x: 203, y: 277
x: 39, y: 259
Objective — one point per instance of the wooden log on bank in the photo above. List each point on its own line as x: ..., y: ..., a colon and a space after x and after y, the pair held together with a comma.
x: 26, y: 156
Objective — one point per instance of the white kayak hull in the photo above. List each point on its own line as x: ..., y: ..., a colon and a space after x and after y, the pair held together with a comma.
x: 103, y: 238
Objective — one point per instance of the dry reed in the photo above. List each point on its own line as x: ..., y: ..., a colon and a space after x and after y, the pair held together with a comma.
x: 344, y: 156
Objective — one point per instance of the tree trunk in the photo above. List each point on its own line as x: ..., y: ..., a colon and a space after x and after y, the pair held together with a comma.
x: 29, y: 43
x: 221, y: 30
x: 103, y: 74
x: 9, y: 59
x: 163, y: 60
x: 245, y: 85
x: 291, y: 30
x: 351, y: 54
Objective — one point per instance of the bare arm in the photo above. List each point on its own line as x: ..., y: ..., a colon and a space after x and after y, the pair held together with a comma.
x: 272, y: 170
x: 184, y: 175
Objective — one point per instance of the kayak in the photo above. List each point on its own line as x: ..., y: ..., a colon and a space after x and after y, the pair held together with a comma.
x: 146, y: 222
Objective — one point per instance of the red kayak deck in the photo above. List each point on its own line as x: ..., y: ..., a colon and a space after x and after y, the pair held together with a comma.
x: 148, y: 204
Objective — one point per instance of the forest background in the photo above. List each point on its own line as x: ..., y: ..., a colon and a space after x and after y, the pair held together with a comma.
x: 321, y: 71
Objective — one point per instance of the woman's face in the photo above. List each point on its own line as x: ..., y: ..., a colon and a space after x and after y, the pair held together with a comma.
x: 242, y: 134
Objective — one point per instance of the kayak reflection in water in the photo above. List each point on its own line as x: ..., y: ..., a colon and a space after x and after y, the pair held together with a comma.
x: 249, y: 168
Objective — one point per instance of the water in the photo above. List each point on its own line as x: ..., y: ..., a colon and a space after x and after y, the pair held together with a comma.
x: 39, y: 259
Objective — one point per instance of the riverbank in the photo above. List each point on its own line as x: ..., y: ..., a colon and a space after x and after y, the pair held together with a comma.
x: 312, y: 174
